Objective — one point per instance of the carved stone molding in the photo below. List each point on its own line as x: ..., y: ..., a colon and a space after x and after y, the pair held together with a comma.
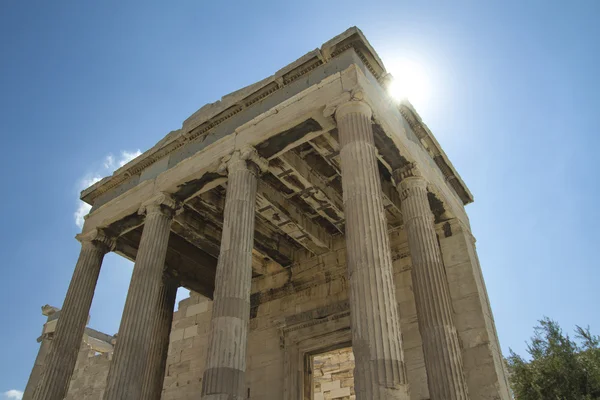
x: 452, y: 226
x: 161, y: 203
x: 409, y: 170
x: 354, y: 106
x: 317, y: 316
x: 408, y: 179
x: 309, y: 333
x: 97, y: 237
x: 246, y: 158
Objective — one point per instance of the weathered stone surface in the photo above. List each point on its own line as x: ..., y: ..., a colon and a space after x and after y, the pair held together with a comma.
x: 129, y: 376
x: 71, y: 324
x: 443, y: 357
x: 333, y: 375
x: 224, y: 376
x: 40, y: 360
x: 89, y: 380
x: 483, y: 363
x: 157, y: 355
x: 376, y: 338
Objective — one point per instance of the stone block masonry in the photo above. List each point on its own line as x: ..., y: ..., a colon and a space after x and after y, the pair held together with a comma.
x: 306, y: 213
x: 309, y: 298
x: 333, y: 375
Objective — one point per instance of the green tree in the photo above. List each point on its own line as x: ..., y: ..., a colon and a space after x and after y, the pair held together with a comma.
x: 559, y: 368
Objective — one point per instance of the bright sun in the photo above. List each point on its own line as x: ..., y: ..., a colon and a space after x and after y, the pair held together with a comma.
x: 410, y: 82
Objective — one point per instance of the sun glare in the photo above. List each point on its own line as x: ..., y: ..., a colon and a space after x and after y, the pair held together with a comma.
x: 410, y: 82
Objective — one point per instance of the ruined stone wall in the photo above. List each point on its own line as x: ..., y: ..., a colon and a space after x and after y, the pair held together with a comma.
x: 187, y: 350
x: 333, y: 375
x: 315, y: 286
x: 89, y: 378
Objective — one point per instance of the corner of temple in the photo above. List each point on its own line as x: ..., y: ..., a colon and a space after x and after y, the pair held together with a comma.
x: 99, y: 236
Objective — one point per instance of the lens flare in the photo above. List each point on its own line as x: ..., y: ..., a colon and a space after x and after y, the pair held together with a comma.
x: 410, y: 82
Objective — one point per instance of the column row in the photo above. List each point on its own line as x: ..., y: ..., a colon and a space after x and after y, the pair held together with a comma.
x: 376, y: 334
x: 137, y: 370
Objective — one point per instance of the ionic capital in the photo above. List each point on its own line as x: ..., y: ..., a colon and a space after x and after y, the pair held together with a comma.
x: 162, y: 203
x: 97, y: 237
x: 408, y: 180
x: 246, y: 158
x: 354, y: 106
x: 406, y: 173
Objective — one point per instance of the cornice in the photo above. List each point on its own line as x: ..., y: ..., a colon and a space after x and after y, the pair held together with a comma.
x: 198, y: 126
x: 435, y: 150
x: 229, y: 105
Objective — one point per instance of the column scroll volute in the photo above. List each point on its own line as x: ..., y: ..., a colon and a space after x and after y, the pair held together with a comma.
x: 97, y: 237
x: 163, y: 203
x: 245, y: 158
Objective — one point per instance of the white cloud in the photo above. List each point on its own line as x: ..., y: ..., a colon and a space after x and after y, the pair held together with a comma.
x: 89, y: 181
x: 109, y: 161
x: 127, y: 156
x: 84, y: 208
x: 110, y: 164
x: 13, y: 394
x: 81, y: 212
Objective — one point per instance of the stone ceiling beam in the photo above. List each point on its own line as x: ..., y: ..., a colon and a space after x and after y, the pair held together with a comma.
x: 189, y: 226
x: 298, y: 176
x: 279, y: 211
x: 207, y: 237
x: 188, y: 269
x: 328, y: 147
x: 269, y: 244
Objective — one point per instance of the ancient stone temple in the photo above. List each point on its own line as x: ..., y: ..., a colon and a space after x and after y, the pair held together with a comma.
x: 322, y: 233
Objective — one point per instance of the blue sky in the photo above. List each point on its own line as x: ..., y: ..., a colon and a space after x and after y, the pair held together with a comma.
x: 514, y: 95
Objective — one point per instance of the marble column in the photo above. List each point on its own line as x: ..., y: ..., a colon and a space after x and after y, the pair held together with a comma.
x: 376, y: 339
x: 224, y: 376
x: 163, y: 319
x: 130, y: 369
x: 45, y: 341
x: 443, y: 359
x: 60, y: 361
x: 38, y: 367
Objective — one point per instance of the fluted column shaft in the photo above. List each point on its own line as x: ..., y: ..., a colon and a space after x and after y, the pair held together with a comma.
x: 441, y: 347
x: 61, y: 359
x: 376, y: 339
x: 157, y: 358
x: 135, y: 349
x: 224, y: 376
x: 38, y: 367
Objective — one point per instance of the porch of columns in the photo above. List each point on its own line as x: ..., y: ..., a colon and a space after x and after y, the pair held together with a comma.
x: 376, y: 338
x: 61, y: 359
x: 224, y: 376
x: 138, y: 366
x: 441, y: 348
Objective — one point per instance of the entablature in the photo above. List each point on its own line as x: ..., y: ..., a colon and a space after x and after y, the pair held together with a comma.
x: 292, y: 126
